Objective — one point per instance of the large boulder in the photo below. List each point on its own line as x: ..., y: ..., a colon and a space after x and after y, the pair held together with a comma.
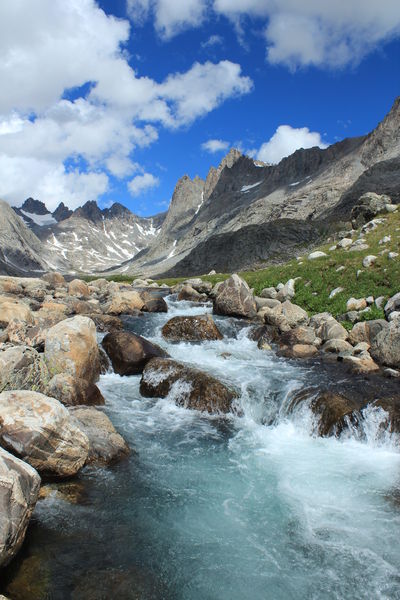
x: 22, y: 368
x: 71, y: 347
x: 367, y: 207
x: 191, y: 329
x: 77, y: 287
x: 11, y: 308
x: 106, y: 445
x: 129, y: 352
x: 330, y: 410
x: 72, y: 391
x: 106, y: 322
x: 153, y: 303
x: 330, y: 329
x: 235, y: 298
x: 55, y: 280
x: 19, y: 489
x: 392, y: 305
x: 366, y: 331
x: 40, y: 431
x: 27, y: 334
x: 188, y: 293
x: 125, y: 302
x: 385, y: 347
x: 187, y: 386
x: 10, y: 285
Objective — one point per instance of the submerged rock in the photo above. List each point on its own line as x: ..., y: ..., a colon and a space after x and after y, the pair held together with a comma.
x: 106, y: 445
x: 41, y: 432
x: 330, y: 410
x: 19, y: 489
x: 235, y: 298
x: 187, y: 386
x: 191, y: 329
x: 129, y: 352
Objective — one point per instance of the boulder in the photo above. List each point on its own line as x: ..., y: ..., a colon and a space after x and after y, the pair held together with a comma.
x: 367, y: 207
x: 106, y: 445
x: 72, y: 391
x: 299, y: 351
x: 191, y: 329
x: 385, y: 346
x: 125, y: 302
x: 361, y: 364
x: 40, y: 431
x: 331, y: 330
x: 187, y: 386
x: 190, y: 294
x: 106, y: 323
x: 393, y: 304
x: 392, y: 407
x: 13, y: 309
x: 22, y: 368
x: 302, y: 335
x: 345, y: 243
x: 203, y: 287
x: 26, y: 334
x: 287, y: 291
x: 10, y: 285
x: 19, y: 489
x: 366, y: 331
x: 77, y: 287
x: 55, y: 280
x: 235, y: 298
x: 337, y: 346
x: 129, y: 352
x: 270, y: 293
x: 330, y: 410
x: 71, y: 347
x: 153, y: 304
x: 266, y: 302
x: 294, y: 314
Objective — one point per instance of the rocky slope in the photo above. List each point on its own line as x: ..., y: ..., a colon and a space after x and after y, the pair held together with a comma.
x: 248, y: 212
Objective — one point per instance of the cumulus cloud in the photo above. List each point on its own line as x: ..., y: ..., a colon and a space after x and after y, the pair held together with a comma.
x: 214, y: 146
x: 142, y: 183
x: 170, y: 16
x: 287, y: 140
x: 73, y: 96
x: 297, y: 34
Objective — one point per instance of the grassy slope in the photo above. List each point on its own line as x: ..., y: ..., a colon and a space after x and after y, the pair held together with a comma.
x: 319, y: 277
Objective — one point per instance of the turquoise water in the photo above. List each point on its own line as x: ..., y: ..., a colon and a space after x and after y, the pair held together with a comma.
x: 252, y: 507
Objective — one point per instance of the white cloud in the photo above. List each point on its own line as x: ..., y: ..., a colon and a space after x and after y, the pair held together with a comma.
x: 51, y: 46
x: 287, y: 140
x: 214, y: 146
x: 142, y: 183
x: 170, y: 16
x: 212, y: 41
x: 297, y: 34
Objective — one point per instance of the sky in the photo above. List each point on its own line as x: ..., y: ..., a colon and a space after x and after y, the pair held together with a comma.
x: 115, y: 100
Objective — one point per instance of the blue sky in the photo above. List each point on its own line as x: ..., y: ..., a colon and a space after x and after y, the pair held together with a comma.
x: 115, y: 100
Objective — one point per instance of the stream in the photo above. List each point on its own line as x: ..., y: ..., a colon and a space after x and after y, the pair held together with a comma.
x: 224, y: 508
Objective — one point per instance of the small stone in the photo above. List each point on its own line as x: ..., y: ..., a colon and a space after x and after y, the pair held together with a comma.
x: 341, y: 268
x: 369, y: 260
x: 392, y: 255
x: 335, y: 292
x: 356, y: 304
x: 369, y: 300
x: 345, y: 243
x: 359, y: 271
x: 391, y: 373
x: 316, y: 254
x: 379, y: 301
x: 385, y: 240
x: 390, y: 208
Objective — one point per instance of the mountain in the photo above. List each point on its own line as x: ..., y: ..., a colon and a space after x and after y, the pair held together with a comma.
x: 249, y: 213
x: 244, y: 214
x: 88, y: 239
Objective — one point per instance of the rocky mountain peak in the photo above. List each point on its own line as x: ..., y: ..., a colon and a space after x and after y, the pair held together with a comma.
x: 384, y: 140
x: 230, y: 159
x: 214, y: 173
x: 89, y: 211
x: 35, y: 207
x: 62, y: 212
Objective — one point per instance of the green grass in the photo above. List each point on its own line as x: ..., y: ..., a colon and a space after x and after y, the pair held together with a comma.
x: 319, y: 277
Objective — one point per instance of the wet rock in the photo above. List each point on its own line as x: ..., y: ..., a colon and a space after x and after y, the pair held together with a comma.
x: 22, y: 368
x: 190, y: 294
x: 235, y: 298
x: 392, y: 407
x: 13, y: 309
x: 129, y: 352
x: 337, y: 346
x: 19, y: 489
x: 40, y: 431
x: 106, y: 322
x: 191, y: 329
x: 107, y: 584
x: 77, y: 287
x: 187, y: 386
x: 361, y: 364
x: 385, y: 346
x: 329, y: 408
x: 71, y: 347
x: 106, y: 445
x: 71, y: 391
x: 32, y: 580
x: 153, y: 304
x: 125, y: 302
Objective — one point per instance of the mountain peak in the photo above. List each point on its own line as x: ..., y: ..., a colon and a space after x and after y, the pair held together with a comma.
x: 90, y: 211
x: 62, y: 212
x: 35, y: 207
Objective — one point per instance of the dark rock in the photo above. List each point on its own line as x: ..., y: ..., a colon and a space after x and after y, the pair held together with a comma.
x: 188, y: 387
x: 190, y: 294
x: 153, y: 304
x: 72, y: 391
x: 129, y: 352
x: 106, y: 322
x: 330, y: 409
x: 191, y: 329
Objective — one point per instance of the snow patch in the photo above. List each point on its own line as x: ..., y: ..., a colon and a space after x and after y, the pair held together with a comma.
x: 246, y: 188
x: 41, y: 220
